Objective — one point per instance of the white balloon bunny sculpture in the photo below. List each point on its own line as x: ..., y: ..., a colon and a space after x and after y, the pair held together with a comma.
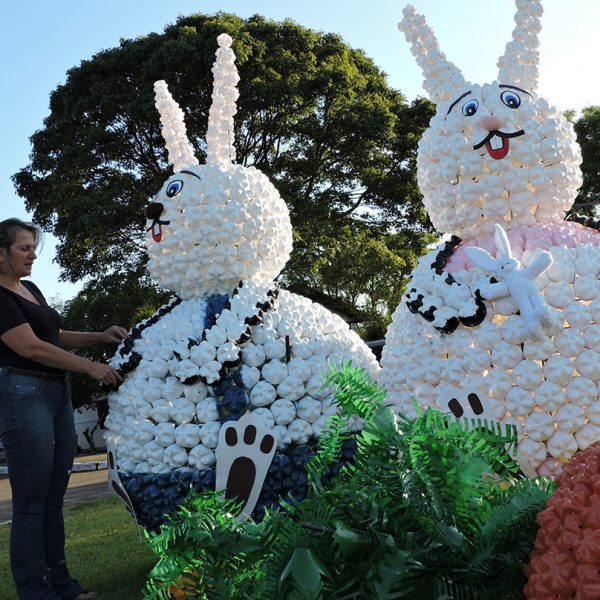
x: 498, y: 168
x: 231, y: 343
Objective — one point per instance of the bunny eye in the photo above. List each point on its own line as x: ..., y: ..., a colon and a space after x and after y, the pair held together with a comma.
x: 470, y: 108
x: 174, y: 188
x: 511, y: 99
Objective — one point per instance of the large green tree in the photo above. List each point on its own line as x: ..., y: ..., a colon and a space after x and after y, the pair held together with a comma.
x: 587, y: 128
x: 314, y: 114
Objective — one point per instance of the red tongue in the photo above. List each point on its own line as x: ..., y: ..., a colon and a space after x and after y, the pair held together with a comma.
x: 500, y: 152
x: 157, y: 232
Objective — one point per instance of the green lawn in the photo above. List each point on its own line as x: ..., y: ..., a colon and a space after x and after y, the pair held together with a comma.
x: 104, y: 551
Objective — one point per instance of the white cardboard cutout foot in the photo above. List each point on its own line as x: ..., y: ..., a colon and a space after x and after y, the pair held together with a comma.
x: 244, y: 453
x: 114, y: 482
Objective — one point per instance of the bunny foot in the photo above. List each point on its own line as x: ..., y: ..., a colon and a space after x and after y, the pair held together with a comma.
x: 244, y: 454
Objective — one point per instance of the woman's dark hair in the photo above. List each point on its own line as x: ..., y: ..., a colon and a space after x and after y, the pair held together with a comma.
x: 8, y: 233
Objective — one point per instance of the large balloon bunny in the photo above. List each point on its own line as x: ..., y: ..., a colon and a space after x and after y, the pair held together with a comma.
x: 501, y: 320
x: 230, y: 343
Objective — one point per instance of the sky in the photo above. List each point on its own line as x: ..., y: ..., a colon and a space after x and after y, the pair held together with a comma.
x: 41, y: 39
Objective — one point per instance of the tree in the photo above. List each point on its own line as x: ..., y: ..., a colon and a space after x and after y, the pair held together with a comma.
x: 315, y: 115
x: 587, y: 128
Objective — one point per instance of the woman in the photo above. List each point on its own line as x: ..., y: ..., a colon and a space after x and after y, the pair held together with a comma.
x: 36, y: 417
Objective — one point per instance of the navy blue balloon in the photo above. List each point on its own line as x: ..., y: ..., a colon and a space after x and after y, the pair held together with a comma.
x: 235, y: 400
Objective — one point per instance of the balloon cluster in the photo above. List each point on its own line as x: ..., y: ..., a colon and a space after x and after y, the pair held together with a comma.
x: 565, y: 558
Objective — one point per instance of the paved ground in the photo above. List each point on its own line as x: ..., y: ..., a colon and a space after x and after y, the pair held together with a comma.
x: 83, y: 487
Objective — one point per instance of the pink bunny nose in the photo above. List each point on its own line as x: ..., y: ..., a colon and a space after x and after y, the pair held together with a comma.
x: 491, y: 122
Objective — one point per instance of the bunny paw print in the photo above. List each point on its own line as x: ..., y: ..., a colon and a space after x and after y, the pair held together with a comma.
x: 244, y: 454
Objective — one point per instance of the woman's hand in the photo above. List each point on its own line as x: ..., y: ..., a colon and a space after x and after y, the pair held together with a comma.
x: 104, y: 374
x: 114, y: 335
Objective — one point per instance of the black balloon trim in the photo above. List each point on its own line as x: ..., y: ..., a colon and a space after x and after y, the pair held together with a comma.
x: 415, y: 296
x: 135, y: 333
x: 585, y: 220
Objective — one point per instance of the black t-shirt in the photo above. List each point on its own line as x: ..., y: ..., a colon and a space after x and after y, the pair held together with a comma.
x: 43, y: 319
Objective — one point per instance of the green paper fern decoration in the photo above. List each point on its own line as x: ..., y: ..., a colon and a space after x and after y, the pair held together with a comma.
x: 430, y: 508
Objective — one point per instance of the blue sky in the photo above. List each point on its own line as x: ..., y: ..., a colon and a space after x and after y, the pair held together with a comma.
x: 41, y: 39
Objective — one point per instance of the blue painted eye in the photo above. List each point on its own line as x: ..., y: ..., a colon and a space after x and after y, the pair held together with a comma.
x: 174, y: 188
x: 511, y: 99
x: 470, y: 108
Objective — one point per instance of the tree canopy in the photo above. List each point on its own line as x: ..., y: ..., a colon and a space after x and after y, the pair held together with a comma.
x: 315, y: 115
x: 587, y: 128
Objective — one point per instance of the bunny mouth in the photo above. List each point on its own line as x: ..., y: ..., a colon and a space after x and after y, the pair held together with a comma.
x: 497, y: 144
x: 156, y: 229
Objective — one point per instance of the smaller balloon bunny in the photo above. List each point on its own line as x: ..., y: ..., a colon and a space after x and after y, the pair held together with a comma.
x: 516, y: 281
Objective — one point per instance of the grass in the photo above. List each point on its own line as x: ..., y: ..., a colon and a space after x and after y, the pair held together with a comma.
x: 104, y: 551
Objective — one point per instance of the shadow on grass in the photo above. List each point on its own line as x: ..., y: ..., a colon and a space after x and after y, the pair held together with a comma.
x: 104, y: 551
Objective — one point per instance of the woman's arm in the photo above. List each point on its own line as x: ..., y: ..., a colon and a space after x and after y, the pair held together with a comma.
x: 25, y: 343
x: 71, y: 340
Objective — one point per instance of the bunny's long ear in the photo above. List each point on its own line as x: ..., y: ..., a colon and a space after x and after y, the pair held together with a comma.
x: 180, y: 151
x: 482, y: 259
x: 442, y: 78
x: 219, y: 136
x: 519, y: 64
x: 502, y: 243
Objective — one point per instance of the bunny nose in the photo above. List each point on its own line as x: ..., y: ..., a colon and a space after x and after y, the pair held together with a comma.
x: 491, y: 122
x: 154, y: 210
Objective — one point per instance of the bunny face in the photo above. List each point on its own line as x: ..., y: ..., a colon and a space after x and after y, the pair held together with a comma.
x: 496, y: 154
x: 508, y: 265
x: 493, y: 153
x: 212, y: 225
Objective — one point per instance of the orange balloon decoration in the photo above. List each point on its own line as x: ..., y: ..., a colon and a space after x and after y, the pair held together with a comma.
x: 565, y: 561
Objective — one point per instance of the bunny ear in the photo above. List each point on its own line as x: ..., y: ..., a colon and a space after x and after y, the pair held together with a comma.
x: 180, y: 151
x: 442, y: 78
x: 519, y: 64
x: 502, y: 243
x: 482, y: 259
x: 219, y: 136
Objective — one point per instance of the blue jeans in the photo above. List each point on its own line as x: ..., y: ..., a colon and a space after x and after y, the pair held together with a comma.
x: 37, y: 430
